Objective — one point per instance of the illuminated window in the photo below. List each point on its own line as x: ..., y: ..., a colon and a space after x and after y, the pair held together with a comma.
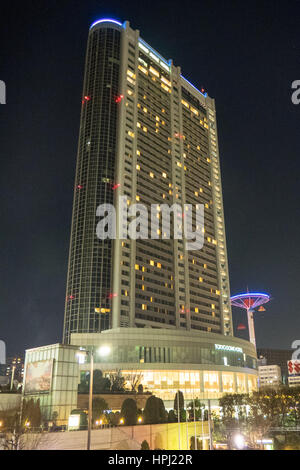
x: 130, y: 74
x: 155, y: 72
x: 142, y: 69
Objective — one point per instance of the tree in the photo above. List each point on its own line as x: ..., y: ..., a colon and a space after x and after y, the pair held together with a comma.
x: 112, y: 419
x: 198, y: 443
x: 54, y: 417
x: 117, y: 381
x: 129, y: 411
x: 99, y: 406
x: 140, y: 388
x: 134, y: 381
x: 31, y: 413
x: 163, y: 414
x: 199, y: 408
x: 101, y: 384
x: 14, y: 434
x: 172, y: 417
x: 151, y: 410
x: 145, y: 445
x: 179, y: 398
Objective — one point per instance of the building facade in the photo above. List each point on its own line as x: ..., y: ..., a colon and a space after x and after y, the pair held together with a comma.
x: 147, y: 134
x: 269, y: 376
x: 145, y: 305
x: 203, y: 365
x: 51, y: 376
x: 279, y: 357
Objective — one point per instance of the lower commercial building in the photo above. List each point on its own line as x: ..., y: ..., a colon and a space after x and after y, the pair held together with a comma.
x: 200, y: 365
x: 269, y: 376
x: 278, y: 357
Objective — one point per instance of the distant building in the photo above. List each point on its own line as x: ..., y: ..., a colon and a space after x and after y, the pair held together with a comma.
x: 14, y: 365
x: 269, y: 376
x: 278, y: 357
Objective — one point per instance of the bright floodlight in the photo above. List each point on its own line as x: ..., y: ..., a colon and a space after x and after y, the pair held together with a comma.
x: 250, y: 301
x: 104, y: 351
x: 81, y: 356
x: 239, y: 441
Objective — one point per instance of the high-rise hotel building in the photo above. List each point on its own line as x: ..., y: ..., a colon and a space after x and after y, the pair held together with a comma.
x: 148, y: 307
x: 148, y: 134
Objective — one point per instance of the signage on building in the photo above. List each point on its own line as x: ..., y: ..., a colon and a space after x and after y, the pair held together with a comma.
x: 226, y: 347
x: 294, y: 367
x: 38, y: 376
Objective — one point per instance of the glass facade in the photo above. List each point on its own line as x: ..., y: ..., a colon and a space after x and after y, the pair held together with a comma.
x: 90, y: 267
x: 62, y: 396
x: 177, y: 355
x: 208, y: 384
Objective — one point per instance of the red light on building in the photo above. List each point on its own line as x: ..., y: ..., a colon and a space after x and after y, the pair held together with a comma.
x: 79, y: 186
x: 178, y: 136
x: 71, y: 297
x: 111, y: 295
x: 119, y: 98
x: 86, y: 98
x: 116, y: 186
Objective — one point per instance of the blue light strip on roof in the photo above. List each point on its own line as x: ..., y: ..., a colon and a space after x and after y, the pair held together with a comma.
x: 203, y: 94
x: 106, y: 20
x: 154, y: 52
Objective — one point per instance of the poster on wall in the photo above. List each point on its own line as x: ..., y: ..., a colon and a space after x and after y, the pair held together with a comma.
x: 38, y: 376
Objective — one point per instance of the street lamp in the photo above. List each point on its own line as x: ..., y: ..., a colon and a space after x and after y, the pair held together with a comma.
x: 103, y: 351
x: 239, y: 441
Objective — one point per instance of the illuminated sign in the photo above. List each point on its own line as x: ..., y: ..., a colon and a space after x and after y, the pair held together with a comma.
x: 74, y: 422
x: 294, y: 367
x: 226, y: 347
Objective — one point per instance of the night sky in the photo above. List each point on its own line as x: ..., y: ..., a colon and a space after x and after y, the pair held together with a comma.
x: 245, y: 54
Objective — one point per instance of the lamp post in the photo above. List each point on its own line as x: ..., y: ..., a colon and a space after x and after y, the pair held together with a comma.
x: 90, y: 399
x: 178, y: 417
x: 102, y: 351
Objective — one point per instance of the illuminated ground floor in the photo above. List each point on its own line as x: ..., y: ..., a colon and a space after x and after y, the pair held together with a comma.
x: 201, y: 365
